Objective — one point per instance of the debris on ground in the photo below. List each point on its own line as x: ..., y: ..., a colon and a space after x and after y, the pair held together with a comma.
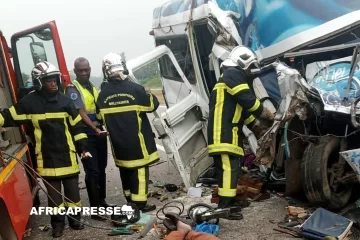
x: 171, y: 187
x: 27, y: 233
x: 194, y: 192
x: 249, y: 187
x: 323, y: 223
x: 158, y: 184
x: 44, y: 228
x: 295, y: 211
x: 163, y: 198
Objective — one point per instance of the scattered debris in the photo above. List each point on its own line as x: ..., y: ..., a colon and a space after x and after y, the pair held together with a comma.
x: 158, y: 184
x: 302, y: 216
x: 249, y: 187
x: 194, y: 192
x: 171, y: 187
x: 44, y: 228
x: 163, y: 198
x: 295, y: 211
x: 27, y: 233
x: 323, y: 223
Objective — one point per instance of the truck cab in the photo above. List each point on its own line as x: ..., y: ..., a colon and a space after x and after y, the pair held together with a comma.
x: 192, y: 38
x: 18, y: 181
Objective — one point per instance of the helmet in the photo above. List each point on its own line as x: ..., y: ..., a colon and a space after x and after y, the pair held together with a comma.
x: 114, y: 65
x: 241, y: 56
x: 44, y: 70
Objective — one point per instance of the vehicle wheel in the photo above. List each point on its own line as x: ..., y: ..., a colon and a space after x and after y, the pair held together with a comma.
x: 317, y: 173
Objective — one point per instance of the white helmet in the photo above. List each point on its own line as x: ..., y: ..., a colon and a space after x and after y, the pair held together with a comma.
x: 114, y: 64
x: 241, y: 56
x: 44, y: 70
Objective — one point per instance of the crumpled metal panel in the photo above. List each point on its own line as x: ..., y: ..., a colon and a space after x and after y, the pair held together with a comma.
x: 294, y: 102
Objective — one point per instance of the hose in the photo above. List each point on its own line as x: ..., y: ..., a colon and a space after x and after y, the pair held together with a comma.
x: 167, y: 205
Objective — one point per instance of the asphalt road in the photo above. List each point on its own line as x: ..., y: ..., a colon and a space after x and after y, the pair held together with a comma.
x: 258, y: 223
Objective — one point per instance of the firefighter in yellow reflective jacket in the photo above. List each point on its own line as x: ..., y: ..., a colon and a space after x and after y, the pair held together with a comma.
x: 123, y: 106
x: 232, y: 104
x: 56, y: 125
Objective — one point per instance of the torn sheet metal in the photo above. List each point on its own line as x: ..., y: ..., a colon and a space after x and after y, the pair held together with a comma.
x: 225, y: 18
x: 352, y: 157
x: 294, y: 103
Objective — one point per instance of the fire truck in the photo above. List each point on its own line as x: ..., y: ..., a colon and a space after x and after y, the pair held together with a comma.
x: 18, y: 185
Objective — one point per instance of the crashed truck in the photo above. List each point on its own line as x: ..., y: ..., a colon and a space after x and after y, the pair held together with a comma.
x: 309, y: 77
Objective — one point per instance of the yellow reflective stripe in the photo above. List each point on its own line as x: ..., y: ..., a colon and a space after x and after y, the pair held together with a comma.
x: 73, y: 205
x: 75, y: 121
x: 141, y: 137
x: 151, y: 102
x: 54, y: 115
x: 234, y: 90
x: 42, y: 116
x: 80, y: 136
x: 16, y: 116
x: 69, y: 140
x: 2, y: 120
x: 138, y: 162
x: 238, y: 88
x: 256, y: 106
x: 226, y: 148
x: 227, y: 192
x: 51, y: 172
x: 249, y: 120
x: 38, y: 136
x: 127, y: 193
x: 142, y: 182
x: 237, y: 114
x: 235, y: 136
x: 220, y: 96
x: 56, y: 209
x: 125, y: 109
x: 138, y: 198
x: 226, y: 167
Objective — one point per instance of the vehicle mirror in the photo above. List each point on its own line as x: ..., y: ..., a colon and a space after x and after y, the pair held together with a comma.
x: 38, y: 52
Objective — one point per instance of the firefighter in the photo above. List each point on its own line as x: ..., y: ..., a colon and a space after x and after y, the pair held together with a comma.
x: 56, y: 125
x: 232, y: 104
x: 84, y: 95
x: 123, y: 106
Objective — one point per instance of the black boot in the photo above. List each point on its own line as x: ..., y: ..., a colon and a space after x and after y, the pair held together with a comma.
x: 227, y: 202
x: 75, y: 222
x: 58, y: 225
x: 102, y: 191
x: 142, y: 206
x: 94, y: 197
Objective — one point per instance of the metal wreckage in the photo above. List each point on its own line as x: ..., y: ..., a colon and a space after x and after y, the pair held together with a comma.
x: 309, y: 76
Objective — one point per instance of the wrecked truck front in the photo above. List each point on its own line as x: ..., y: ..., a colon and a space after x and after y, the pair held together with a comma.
x: 294, y: 103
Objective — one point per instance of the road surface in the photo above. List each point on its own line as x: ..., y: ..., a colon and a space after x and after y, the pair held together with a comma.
x: 258, y: 223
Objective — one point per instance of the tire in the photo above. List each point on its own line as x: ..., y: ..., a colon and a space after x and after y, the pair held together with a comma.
x: 314, y: 174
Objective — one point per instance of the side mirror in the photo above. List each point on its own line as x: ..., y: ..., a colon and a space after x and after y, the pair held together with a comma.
x: 38, y: 52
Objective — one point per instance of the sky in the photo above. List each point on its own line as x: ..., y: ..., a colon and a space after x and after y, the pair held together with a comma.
x: 87, y: 28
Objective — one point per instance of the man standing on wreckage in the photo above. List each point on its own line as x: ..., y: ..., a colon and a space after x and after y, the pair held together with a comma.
x: 232, y: 104
x: 123, y: 106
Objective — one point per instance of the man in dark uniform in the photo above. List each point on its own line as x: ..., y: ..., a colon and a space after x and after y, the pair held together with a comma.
x: 56, y: 125
x: 84, y: 95
x: 123, y: 106
x: 232, y: 104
